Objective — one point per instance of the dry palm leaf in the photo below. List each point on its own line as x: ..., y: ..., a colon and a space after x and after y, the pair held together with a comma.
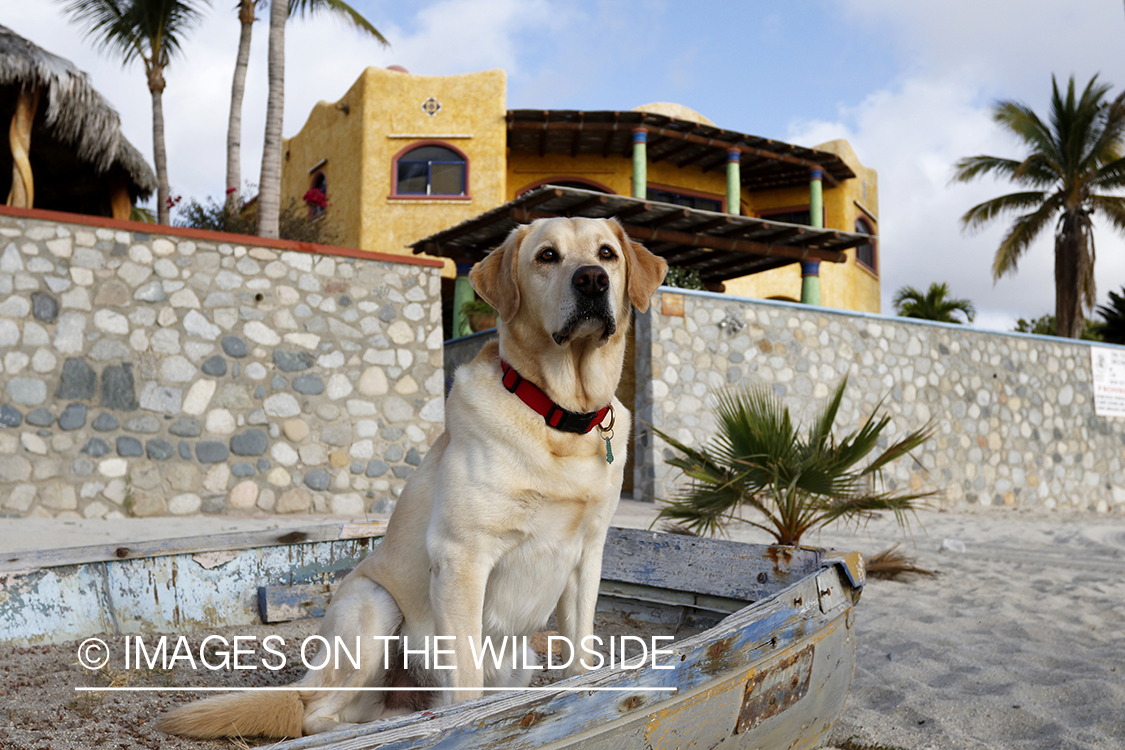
x: 892, y: 564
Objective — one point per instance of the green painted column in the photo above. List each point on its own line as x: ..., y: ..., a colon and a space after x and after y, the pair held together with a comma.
x: 640, y: 163
x: 734, y: 181
x: 810, y: 270
x: 462, y: 293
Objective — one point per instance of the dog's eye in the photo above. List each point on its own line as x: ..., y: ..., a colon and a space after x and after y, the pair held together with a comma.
x: 548, y: 255
x: 606, y: 253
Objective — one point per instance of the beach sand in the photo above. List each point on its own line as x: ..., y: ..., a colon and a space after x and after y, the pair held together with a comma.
x: 1018, y: 643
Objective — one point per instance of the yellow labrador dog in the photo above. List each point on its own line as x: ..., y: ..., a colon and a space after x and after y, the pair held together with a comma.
x: 505, y: 519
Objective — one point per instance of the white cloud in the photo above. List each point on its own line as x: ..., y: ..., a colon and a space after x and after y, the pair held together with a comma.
x: 914, y: 131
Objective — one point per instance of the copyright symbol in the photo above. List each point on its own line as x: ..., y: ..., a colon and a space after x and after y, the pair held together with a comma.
x: 93, y: 653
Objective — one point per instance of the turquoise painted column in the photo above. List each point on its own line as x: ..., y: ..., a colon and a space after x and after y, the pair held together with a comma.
x: 640, y: 163
x: 734, y: 180
x: 810, y: 270
x: 462, y: 293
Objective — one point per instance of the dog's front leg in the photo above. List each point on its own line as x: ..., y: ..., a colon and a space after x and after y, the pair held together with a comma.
x: 576, y: 610
x: 458, y: 576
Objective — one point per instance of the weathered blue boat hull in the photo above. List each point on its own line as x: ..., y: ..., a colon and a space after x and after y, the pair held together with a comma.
x: 771, y: 671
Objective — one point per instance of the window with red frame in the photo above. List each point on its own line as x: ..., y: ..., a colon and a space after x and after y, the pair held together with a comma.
x: 316, y: 198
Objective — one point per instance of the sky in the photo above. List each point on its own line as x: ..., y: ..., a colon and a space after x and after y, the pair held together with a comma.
x: 910, y: 83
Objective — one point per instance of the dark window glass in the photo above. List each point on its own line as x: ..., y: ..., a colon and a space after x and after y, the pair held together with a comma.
x: 431, y: 170
x: 687, y: 201
x: 865, y: 253
x: 791, y: 217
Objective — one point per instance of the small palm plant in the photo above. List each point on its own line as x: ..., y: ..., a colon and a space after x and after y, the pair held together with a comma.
x: 1112, y: 327
x: 933, y: 304
x: 795, y: 482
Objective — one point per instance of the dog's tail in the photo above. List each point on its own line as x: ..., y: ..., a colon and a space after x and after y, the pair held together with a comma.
x: 277, y: 714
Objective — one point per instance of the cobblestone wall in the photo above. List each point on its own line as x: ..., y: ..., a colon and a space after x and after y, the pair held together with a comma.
x: 1014, y: 413
x: 151, y: 374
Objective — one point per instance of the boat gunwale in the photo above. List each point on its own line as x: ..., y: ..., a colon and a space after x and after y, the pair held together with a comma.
x: 433, y: 724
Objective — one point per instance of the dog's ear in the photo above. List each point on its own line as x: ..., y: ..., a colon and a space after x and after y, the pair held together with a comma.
x: 494, y: 278
x: 644, y: 271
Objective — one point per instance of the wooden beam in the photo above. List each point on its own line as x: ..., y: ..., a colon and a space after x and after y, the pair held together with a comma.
x: 484, y: 220
x: 697, y: 158
x: 711, y: 142
x: 542, y: 135
x: 781, y: 234
x: 712, y: 224
x: 610, y: 133
x: 576, y: 140
x: 814, y: 237
x: 636, y: 208
x: 669, y: 218
x: 716, y: 243
x: 676, y: 151
x: 723, y: 268
x: 578, y: 208
x: 715, y: 163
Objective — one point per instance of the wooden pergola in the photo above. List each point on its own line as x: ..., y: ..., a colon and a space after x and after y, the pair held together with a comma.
x: 65, y: 149
x: 719, y: 246
x: 765, y: 164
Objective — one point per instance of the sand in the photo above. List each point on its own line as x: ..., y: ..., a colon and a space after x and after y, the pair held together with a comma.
x: 1018, y: 643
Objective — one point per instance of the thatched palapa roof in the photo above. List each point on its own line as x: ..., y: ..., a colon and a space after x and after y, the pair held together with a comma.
x: 76, y: 119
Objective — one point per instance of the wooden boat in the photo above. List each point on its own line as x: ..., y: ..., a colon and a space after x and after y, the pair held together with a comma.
x: 771, y: 669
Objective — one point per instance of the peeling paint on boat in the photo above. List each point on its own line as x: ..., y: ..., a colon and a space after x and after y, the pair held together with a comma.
x: 167, y: 593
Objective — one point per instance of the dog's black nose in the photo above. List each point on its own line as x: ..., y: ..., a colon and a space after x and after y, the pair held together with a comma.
x: 590, y: 281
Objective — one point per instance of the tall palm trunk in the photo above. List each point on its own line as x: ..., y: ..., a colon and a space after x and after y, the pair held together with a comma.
x: 269, y: 188
x: 159, y: 153
x: 234, y: 124
x: 1073, y: 273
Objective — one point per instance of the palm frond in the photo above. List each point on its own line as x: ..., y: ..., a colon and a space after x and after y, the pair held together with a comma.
x: 1110, y: 175
x: 972, y: 167
x: 340, y: 9
x: 1022, y: 121
x: 791, y: 482
x: 1111, y: 207
x: 107, y: 23
x: 982, y: 213
x: 1020, y: 235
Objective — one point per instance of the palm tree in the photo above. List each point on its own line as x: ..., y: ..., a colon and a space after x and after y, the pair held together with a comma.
x: 1073, y: 164
x: 269, y: 184
x: 153, y: 32
x: 934, y: 304
x: 794, y: 482
x: 246, y: 18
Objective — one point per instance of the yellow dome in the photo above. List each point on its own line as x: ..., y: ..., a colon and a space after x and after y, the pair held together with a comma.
x: 671, y: 109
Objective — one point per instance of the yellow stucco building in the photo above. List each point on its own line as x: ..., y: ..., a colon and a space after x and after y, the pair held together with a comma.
x: 402, y: 157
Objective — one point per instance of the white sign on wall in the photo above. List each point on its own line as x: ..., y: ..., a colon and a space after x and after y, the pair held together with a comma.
x: 1108, y: 366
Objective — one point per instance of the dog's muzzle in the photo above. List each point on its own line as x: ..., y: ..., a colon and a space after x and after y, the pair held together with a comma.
x: 592, y: 304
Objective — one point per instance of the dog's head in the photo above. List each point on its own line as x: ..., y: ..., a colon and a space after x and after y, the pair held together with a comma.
x: 573, y: 277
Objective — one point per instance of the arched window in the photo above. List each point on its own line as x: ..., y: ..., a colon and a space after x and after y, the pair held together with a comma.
x: 865, y: 253
x: 431, y: 169
x: 316, y: 198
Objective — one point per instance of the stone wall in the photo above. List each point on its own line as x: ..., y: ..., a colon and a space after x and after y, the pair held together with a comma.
x: 181, y: 372
x: 1014, y: 413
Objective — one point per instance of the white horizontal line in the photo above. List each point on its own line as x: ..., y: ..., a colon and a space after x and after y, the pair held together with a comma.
x: 429, y: 135
x: 547, y: 689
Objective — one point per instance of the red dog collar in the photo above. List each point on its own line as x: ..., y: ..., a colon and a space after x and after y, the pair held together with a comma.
x: 553, y: 414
